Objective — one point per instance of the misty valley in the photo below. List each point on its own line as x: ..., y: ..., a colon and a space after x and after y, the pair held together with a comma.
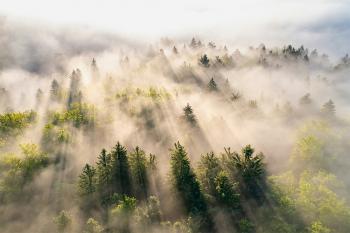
x: 175, y: 136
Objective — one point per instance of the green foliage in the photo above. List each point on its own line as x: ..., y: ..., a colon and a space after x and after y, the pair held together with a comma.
x: 87, y: 180
x: 120, y: 168
x: 79, y: 114
x: 125, y: 206
x: 185, y: 181
x: 189, y: 115
x: 16, y: 172
x: 313, y: 196
x: 92, y: 226
x: 56, y: 91
x: 63, y: 222
x: 247, y: 168
x: 226, y: 191
x: 150, y: 214
x: 204, y: 61
x: 318, y: 227
x: 13, y: 124
x: 208, y: 169
x: 54, y: 135
x: 245, y: 226
x: 104, y: 174
x: 138, y: 166
x: 153, y: 93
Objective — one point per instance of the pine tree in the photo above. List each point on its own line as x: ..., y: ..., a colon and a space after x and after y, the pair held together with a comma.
x: 204, y: 61
x: 87, y: 183
x: 104, y: 175
x: 92, y: 226
x: 305, y: 100
x: 250, y: 170
x: 175, y: 50
x: 328, y: 108
x: 193, y: 43
x: 189, y: 115
x: 94, y: 69
x: 63, y: 222
x: 184, y: 180
x: 121, y: 182
x: 208, y: 169
x: 138, y: 166
x: 225, y: 191
x: 55, y: 92
x: 75, y: 95
x: 212, y: 85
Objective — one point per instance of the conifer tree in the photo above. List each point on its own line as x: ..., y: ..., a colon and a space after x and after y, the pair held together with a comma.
x: 184, y: 180
x: 104, y: 174
x: 121, y: 182
x: 328, y: 108
x: 305, y: 100
x: 87, y: 183
x: 204, y: 60
x: 208, y: 169
x: 189, y: 115
x: 225, y: 191
x: 175, y: 50
x: 55, y: 92
x: 138, y: 166
x: 212, y: 85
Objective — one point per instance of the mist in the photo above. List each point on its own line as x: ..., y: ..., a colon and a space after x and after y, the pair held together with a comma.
x: 120, y: 129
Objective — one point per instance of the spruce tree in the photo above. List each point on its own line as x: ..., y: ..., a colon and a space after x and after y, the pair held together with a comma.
x: 212, y: 85
x: 189, y: 115
x: 104, y: 175
x: 328, y: 108
x: 204, y: 61
x: 121, y: 182
x: 55, y: 92
x: 225, y: 191
x: 87, y: 183
x: 185, y: 182
x: 138, y: 166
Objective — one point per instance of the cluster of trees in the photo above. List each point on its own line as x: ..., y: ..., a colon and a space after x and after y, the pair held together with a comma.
x: 122, y: 186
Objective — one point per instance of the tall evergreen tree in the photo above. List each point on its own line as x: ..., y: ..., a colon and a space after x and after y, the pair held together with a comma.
x: 104, y: 175
x: 186, y: 184
x: 204, y: 60
x: 193, y: 43
x: 138, y: 165
x: 225, y: 191
x: 55, y: 92
x: 189, y: 115
x: 305, y: 100
x: 185, y: 181
x: 212, y: 85
x: 249, y: 170
x: 87, y: 182
x: 121, y: 182
x: 328, y: 108
x: 175, y: 50
x: 208, y: 169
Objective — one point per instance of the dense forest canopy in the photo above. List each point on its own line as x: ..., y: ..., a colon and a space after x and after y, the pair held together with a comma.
x: 179, y: 136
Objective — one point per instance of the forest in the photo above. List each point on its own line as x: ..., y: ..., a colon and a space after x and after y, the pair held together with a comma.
x: 177, y: 136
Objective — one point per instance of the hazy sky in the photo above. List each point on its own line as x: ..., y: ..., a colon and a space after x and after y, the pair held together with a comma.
x: 322, y: 23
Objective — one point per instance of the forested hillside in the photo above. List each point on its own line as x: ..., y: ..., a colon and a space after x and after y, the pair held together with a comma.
x: 179, y: 137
